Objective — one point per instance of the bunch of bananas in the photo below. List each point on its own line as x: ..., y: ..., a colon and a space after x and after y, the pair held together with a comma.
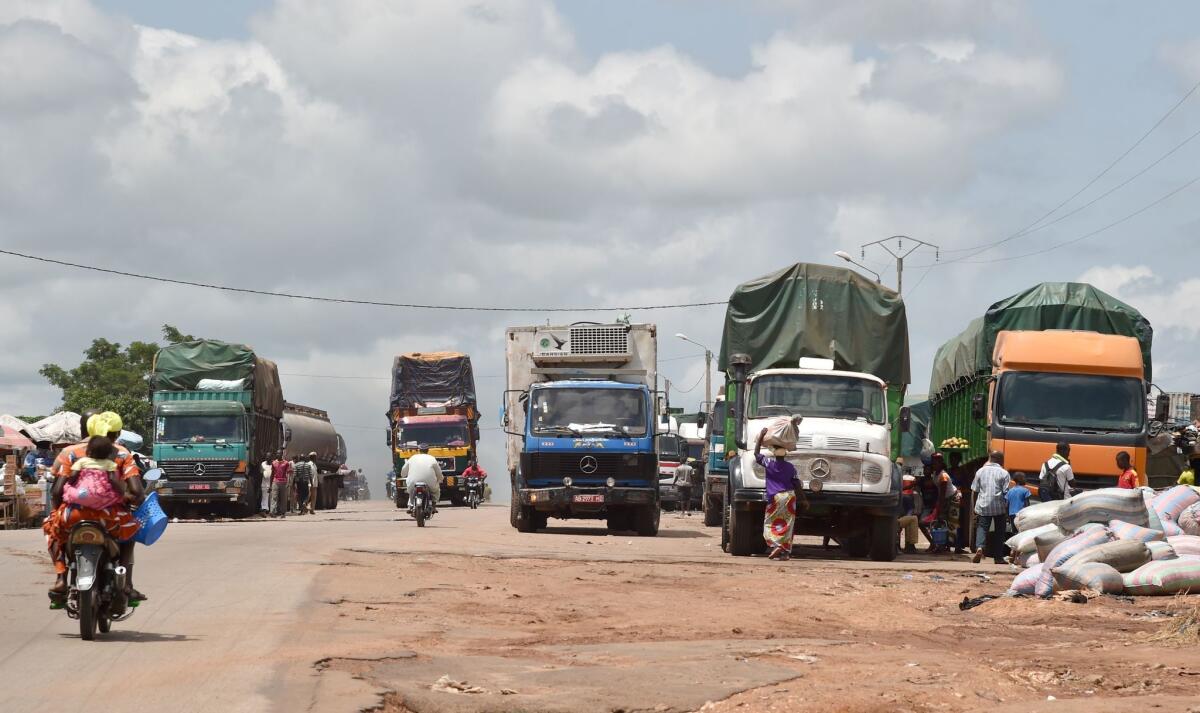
x: 955, y: 442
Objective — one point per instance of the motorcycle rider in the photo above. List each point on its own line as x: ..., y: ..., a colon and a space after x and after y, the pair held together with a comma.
x: 423, y: 468
x: 115, y: 520
x: 474, y: 470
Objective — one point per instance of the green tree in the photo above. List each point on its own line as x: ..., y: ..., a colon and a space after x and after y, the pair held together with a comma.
x: 113, y: 378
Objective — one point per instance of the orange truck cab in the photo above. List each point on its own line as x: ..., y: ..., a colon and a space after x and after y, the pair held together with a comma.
x: 1085, y: 388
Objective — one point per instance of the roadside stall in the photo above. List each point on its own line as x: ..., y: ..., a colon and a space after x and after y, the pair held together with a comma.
x: 15, y: 508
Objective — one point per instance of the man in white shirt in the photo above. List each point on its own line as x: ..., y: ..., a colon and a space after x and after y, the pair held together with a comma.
x: 265, y: 469
x: 1058, y: 467
x: 683, y: 483
x: 423, y: 468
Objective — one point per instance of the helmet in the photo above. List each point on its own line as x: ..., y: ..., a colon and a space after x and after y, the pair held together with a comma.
x: 105, y: 423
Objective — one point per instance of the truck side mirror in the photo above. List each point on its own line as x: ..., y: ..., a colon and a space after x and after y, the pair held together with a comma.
x: 978, y: 407
x: 1162, y: 408
x: 701, y: 419
x: 388, y: 437
x: 905, y: 419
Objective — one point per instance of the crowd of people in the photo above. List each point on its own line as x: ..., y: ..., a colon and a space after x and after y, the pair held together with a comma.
x: 289, y: 486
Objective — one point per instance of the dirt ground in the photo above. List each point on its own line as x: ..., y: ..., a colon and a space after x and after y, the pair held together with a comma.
x: 578, y: 620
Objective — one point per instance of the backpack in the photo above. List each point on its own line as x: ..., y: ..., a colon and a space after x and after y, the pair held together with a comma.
x: 1048, y: 482
x: 91, y: 488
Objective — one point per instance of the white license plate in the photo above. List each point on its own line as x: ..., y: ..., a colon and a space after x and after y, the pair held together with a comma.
x: 590, y: 499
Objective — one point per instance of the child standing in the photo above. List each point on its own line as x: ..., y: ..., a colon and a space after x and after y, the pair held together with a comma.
x: 1018, y: 499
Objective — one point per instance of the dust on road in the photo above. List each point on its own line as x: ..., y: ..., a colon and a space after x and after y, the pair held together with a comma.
x: 588, y: 627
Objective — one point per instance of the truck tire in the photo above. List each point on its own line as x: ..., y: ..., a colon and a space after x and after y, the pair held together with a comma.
x: 712, y: 513
x: 745, y: 533
x: 883, y: 538
x: 524, y: 518
x: 401, y: 500
x: 646, y: 519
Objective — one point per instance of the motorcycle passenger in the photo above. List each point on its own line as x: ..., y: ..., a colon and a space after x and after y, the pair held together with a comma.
x: 423, y: 468
x: 117, y: 519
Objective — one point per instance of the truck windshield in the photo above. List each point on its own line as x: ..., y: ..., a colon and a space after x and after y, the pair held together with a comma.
x: 433, y: 435
x: 1071, y: 401
x: 816, y: 396
x: 196, y: 428
x: 584, y: 411
x: 669, y: 447
x: 695, y: 450
x: 716, y: 425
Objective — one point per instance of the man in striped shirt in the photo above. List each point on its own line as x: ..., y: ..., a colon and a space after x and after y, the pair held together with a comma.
x: 991, y: 507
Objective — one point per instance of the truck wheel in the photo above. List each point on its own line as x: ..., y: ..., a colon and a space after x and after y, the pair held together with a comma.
x: 524, y: 518
x: 745, y: 533
x: 883, y: 538
x: 712, y: 513
x: 646, y: 519
x: 401, y: 500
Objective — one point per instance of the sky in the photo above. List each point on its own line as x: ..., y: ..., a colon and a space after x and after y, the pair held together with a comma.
x: 540, y: 154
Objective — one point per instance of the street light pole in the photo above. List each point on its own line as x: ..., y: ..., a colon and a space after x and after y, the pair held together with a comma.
x: 900, y: 253
x: 708, y: 355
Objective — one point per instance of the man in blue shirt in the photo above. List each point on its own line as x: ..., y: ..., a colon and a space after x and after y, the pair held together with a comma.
x: 991, y: 506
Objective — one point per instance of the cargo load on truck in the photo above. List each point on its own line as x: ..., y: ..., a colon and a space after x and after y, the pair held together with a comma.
x: 809, y: 310
x: 204, y: 364
x: 427, y: 380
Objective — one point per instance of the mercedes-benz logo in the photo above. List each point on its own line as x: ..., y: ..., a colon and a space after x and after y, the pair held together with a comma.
x: 199, y: 469
x: 819, y: 468
x: 588, y: 465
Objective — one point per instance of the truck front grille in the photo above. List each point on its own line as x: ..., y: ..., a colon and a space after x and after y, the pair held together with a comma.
x: 837, y: 469
x: 593, y: 468
x: 198, y: 469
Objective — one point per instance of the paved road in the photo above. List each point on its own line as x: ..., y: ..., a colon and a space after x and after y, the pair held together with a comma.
x: 238, y: 619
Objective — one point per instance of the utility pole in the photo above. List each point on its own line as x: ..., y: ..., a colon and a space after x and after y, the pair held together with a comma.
x: 708, y: 355
x: 900, y: 253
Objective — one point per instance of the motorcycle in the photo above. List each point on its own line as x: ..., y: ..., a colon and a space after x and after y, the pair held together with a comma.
x: 96, y: 579
x: 421, y: 507
x: 474, y: 491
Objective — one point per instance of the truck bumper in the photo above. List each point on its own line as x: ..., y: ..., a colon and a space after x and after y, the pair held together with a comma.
x: 884, y: 503
x: 585, y: 502
x: 182, y: 493
x: 715, y: 485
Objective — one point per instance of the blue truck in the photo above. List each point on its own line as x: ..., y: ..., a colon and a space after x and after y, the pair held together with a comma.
x: 579, y: 412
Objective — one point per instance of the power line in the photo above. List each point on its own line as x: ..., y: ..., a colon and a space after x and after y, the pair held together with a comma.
x: 388, y: 378
x: 1030, y: 228
x: 342, y: 300
x: 1087, y: 235
x: 688, y: 391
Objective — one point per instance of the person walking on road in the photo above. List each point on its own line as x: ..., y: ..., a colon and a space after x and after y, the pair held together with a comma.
x: 683, y: 484
x: 1057, y: 479
x: 782, y: 480
x: 281, y: 475
x: 305, y: 476
x: 991, y: 506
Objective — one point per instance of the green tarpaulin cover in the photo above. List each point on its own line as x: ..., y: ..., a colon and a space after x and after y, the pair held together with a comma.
x: 809, y: 310
x: 1050, y: 305
x: 180, y: 367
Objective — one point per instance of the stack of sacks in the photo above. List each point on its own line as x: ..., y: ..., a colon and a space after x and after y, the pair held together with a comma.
x: 1064, y: 551
x: 1103, y: 505
x: 1162, y: 577
x: 1189, y: 520
x: 1037, y: 515
x: 1170, y: 504
x: 1025, y: 541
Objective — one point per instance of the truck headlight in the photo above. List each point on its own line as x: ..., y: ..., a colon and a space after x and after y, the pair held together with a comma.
x: 611, y: 482
x: 872, y: 473
x: 815, y: 485
x: 567, y: 481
